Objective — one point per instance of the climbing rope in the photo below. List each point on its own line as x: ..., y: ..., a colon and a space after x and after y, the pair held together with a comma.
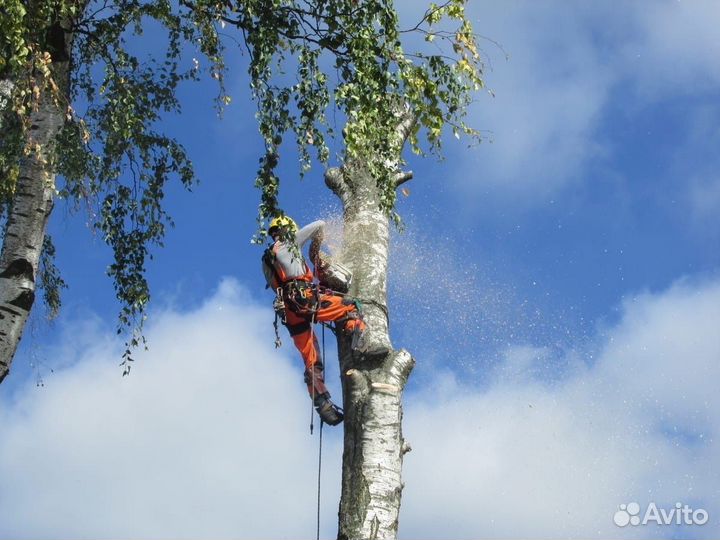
x: 317, y: 534
x: 280, y: 307
x: 312, y: 373
x: 322, y: 358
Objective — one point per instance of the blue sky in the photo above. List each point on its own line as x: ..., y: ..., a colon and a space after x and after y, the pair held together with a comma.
x: 558, y: 285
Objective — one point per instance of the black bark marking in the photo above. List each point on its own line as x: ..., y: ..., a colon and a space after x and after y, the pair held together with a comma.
x: 10, y: 311
x: 24, y: 300
x: 19, y: 268
x: 374, y: 527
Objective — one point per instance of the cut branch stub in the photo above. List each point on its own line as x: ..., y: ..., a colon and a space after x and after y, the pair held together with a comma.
x: 402, y: 177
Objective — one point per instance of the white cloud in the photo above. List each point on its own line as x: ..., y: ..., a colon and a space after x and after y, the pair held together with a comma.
x: 673, y: 48
x: 548, y: 96
x: 208, y: 436
x: 571, y: 67
x: 526, y: 460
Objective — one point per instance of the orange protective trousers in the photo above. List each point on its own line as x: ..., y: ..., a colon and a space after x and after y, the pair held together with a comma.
x: 298, y: 319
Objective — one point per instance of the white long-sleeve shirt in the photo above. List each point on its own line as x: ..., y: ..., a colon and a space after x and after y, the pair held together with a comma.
x: 292, y: 266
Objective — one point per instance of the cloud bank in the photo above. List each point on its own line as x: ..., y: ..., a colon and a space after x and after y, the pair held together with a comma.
x: 578, y: 77
x: 208, y: 436
x: 531, y: 459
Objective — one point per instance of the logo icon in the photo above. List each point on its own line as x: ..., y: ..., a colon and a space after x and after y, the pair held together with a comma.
x: 627, y: 515
x: 680, y: 514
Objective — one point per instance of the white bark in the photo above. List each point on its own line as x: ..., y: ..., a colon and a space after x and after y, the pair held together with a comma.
x: 27, y: 219
x: 374, y: 449
x: 372, y: 389
x: 6, y: 89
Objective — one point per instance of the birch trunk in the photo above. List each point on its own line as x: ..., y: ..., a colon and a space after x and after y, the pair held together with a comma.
x: 372, y: 390
x: 28, y: 216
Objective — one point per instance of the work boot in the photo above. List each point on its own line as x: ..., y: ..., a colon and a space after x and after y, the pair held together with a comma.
x: 328, y: 411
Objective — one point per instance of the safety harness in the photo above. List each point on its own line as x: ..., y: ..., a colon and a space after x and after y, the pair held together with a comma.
x: 295, y: 293
x: 302, y: 296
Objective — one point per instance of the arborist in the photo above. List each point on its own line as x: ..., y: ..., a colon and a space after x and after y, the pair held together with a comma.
x: 301, y: 303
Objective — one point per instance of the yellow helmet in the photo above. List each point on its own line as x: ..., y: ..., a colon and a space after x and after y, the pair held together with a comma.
x: 283, y: 222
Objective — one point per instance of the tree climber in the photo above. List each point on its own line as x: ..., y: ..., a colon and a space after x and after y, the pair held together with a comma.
x: 303, y: 304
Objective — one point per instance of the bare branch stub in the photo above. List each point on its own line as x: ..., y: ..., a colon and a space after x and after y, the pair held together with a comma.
x: 402, y: 177
x: 335, y: 181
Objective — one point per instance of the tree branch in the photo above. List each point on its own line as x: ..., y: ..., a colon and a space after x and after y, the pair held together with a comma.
x: 425, y: 17
x: 406, y: 124
x: 358, y: 386
x: 402, y: 177
x: 334, y: 179
x: 398, y: 366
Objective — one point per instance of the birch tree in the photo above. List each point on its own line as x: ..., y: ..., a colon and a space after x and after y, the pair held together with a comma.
x: 389, y: 97
x: 80, y: 120
x: 27, y: 179
x: 110, y: 156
